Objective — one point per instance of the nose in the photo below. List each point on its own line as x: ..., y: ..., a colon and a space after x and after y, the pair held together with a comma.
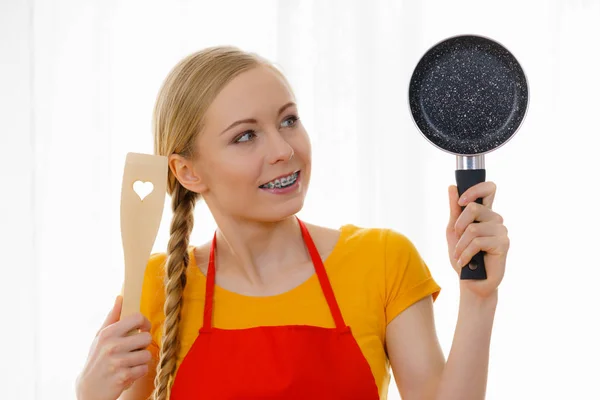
x: 279, y: 149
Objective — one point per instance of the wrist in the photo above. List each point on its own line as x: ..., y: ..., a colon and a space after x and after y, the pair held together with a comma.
x: 472, y: 301
x: 80, y: 392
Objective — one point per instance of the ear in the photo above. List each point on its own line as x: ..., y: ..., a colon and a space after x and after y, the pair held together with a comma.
x: 186, y: 174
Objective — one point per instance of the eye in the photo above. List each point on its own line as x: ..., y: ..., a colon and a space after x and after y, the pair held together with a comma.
x: 292, y: 118
x: 245, y: 137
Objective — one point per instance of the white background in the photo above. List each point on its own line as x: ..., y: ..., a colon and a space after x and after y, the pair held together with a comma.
x: 78, y: 80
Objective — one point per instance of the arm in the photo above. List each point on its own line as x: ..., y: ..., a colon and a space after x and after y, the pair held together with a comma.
x: 418, y: 361
x: 413, y: 348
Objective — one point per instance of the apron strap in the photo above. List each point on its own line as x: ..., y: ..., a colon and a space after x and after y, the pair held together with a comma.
x: 210, y: 287
x: 319, y: 269
x: 323, y: 278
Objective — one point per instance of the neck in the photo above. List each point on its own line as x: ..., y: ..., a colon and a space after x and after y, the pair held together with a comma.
x: 258, y: 250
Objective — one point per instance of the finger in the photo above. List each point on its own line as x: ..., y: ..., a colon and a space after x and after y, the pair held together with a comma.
x: 483, y: 190
x: 489, y: 244
x: 455, y: 208
x: 135, y: 342
x: 478, y: 230
x: 131, y: 359
x: 131, y: 323
x: 475, y: 212
x: 114, y: 314
x: 116, y: 347
x: 127, y: 376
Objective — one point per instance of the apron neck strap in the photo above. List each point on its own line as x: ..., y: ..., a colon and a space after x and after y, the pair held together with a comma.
x: 210, y: 286
x: 319, y: 269
x: 323, y: 278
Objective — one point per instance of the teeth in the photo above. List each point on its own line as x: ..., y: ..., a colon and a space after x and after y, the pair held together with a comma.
x: 281, y: 182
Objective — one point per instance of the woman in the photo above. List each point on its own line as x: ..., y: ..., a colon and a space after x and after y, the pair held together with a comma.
x: 272, y: 307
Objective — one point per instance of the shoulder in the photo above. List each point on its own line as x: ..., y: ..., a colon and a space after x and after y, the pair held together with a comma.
x: 155, y: 268
x: 153, y: 295
x: 383, y: 249
x: 153, y: 286
x: 377, y: 245
x: 155, y: 273
x: 375, y: 239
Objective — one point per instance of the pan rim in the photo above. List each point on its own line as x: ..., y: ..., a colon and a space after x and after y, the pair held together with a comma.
x: 458, y: 36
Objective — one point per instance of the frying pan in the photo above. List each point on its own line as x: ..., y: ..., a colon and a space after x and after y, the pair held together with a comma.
x: 468, y: 96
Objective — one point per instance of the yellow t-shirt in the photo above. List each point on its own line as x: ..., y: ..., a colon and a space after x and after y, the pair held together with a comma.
x: 375, y: 275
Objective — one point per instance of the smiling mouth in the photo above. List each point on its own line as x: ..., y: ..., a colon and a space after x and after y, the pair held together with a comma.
x: 282, y: 182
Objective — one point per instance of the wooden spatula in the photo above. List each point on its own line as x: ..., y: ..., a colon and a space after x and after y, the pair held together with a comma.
x: 142, y: 201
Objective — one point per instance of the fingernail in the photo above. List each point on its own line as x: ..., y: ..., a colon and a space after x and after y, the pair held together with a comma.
x: 462, y: 201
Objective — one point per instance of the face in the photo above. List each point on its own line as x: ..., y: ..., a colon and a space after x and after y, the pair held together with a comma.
x: 254, y: 155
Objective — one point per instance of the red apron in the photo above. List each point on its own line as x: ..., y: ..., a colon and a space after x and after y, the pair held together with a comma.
x: 275, y: 362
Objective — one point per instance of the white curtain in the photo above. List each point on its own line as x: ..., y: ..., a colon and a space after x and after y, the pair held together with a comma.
x: 77, y: 84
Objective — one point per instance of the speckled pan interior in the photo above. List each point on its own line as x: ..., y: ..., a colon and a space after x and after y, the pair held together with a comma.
x: 468, y: 95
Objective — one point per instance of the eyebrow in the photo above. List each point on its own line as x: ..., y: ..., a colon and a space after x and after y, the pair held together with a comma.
x: 252, y: 120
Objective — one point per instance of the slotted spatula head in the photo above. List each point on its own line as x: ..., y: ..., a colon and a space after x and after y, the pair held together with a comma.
x: 142, y: 202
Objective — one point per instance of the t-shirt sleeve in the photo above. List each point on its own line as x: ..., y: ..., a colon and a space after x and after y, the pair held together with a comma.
x: 153, y: 299
x: 407, y: 277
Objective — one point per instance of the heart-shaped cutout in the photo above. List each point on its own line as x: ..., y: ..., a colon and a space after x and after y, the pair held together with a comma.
x: 143, y: 189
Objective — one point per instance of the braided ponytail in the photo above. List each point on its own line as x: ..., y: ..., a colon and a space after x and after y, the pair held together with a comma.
x: 183, y: 203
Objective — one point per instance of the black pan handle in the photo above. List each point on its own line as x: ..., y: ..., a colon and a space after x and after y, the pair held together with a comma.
x: 465, y: 178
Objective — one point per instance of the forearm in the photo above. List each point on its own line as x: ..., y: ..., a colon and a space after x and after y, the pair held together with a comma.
x: 466, y: 371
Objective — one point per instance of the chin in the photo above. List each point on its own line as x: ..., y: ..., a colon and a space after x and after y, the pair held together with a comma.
x: 280, y: 211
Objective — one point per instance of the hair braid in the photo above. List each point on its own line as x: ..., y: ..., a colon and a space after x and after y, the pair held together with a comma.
x: 183, y: 203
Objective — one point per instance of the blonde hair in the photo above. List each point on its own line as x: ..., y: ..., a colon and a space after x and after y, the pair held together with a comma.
x: 178, y: 118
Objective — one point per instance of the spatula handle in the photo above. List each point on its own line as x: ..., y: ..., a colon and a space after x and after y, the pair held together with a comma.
x: 466, y: 178
x: 135, y: 330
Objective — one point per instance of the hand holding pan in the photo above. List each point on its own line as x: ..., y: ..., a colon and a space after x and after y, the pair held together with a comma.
x: 143, y: 195
x: 468, y: 96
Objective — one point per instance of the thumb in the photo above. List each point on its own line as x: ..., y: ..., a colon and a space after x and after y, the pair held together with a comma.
x: 455, y: 208
x: 114, y: 314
